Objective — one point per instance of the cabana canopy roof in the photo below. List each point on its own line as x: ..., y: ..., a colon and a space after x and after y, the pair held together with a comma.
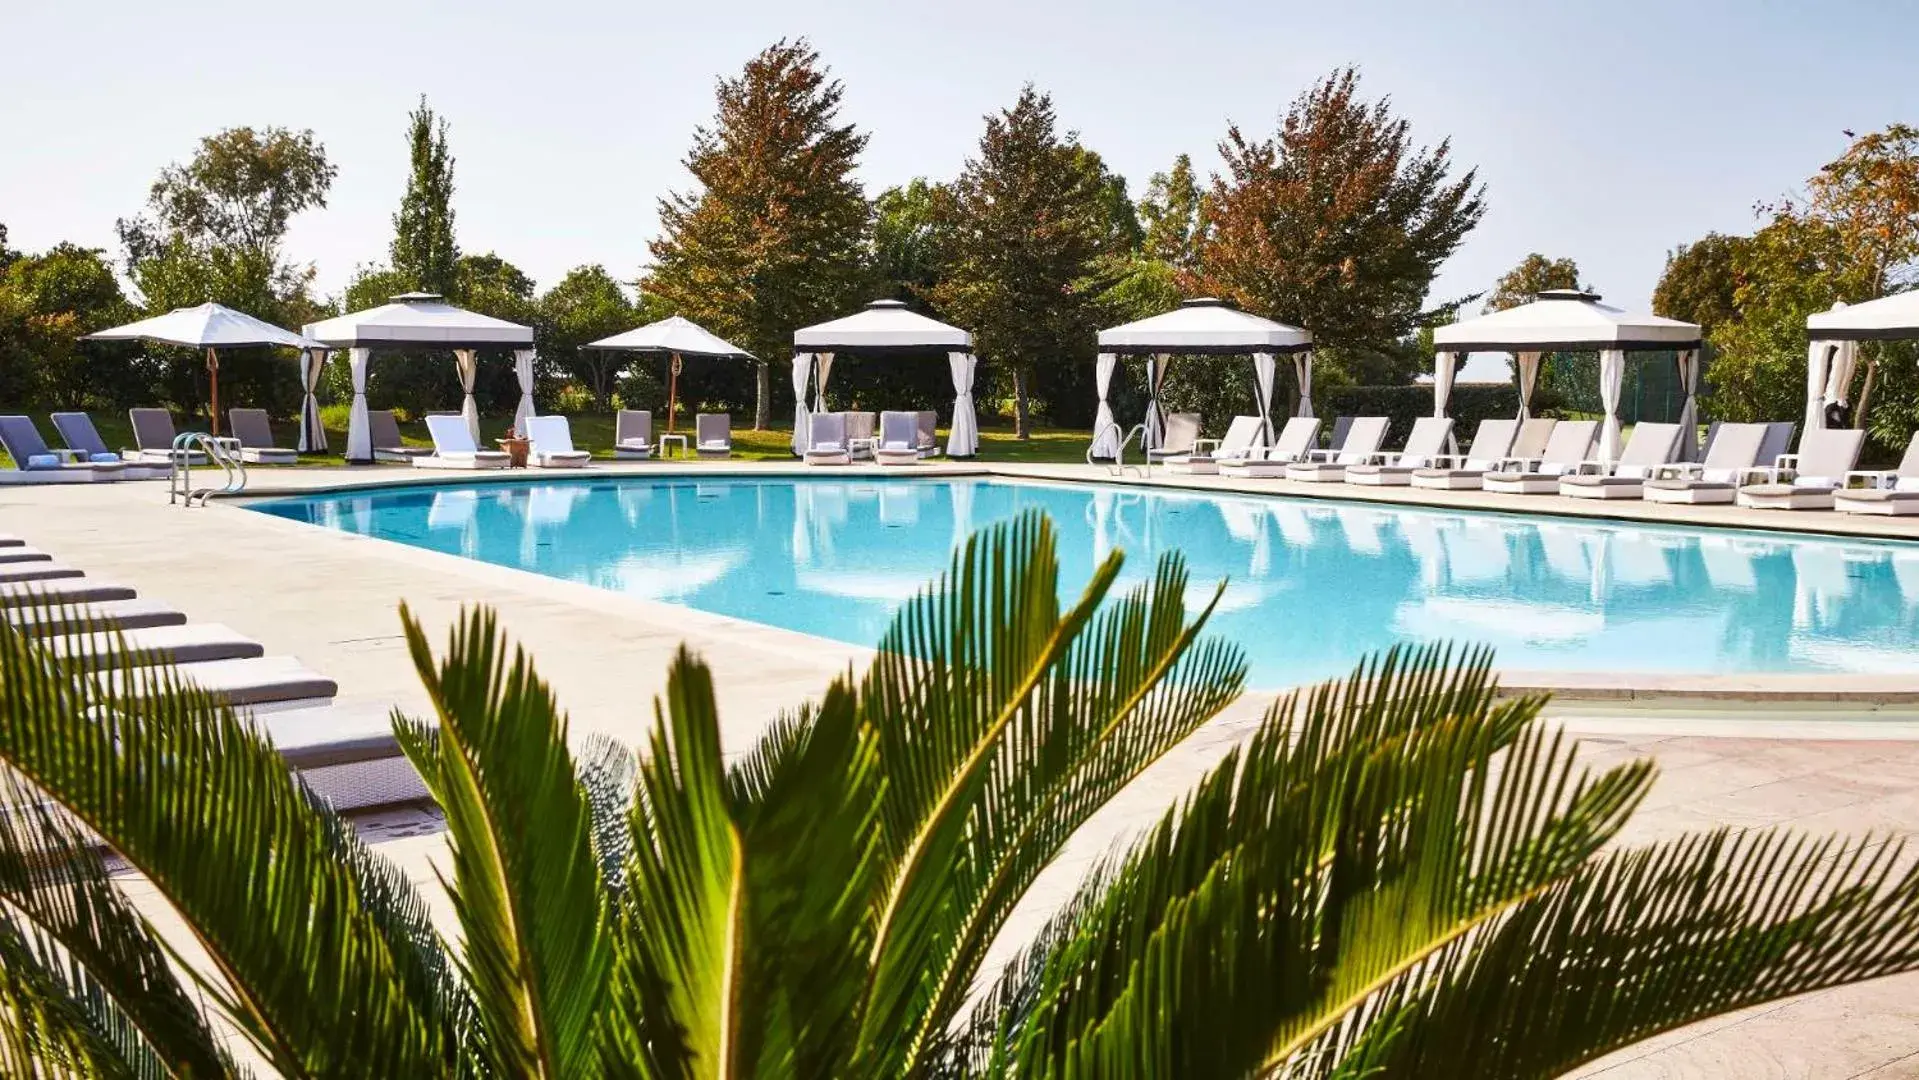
x: 209, y: 326
x: 883, y: 326
x: 1565, y: 320
x: 672, y: 335
x: 1887, y: 318
x: 1204, y: 326
x: 419, y: 319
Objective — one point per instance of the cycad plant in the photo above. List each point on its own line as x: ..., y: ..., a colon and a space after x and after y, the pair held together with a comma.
x: 1399, y: 875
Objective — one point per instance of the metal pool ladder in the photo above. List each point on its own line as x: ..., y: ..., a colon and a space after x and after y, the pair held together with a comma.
x: 224, y: 452
x: 1118, y: 466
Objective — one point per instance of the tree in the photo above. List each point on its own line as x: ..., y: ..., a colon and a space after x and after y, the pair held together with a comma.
x: 773, y: 237
x: 1029, y: 221
x: 424, y: 248
x: 48, y: 302
x: 1338, y: 222
x: 1174, y: 214
x: 1399, y: 876
x: 213, y: 231
x: 1534, y: 274
x: 1700, y: 282
x: 585, y: 306
x: 908, y: 249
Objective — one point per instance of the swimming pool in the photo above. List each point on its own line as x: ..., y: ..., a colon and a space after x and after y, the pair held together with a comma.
x: 1313, y: 583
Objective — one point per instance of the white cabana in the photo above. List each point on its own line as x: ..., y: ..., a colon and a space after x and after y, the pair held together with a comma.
x: 214, y: 327
x: 1199, y: 327
x: 885, y: 328
x: 415, y: 321
x: 676, y: 338
x: 1833, y: 351
x: 1571, y: 320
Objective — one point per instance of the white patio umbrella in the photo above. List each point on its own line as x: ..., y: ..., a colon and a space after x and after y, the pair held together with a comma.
x: 677, y: 338
x: 211, y: 327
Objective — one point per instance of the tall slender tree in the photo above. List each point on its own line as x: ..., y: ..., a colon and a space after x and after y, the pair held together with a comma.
x: 1030, y: 219
x: 424, y: 249
x: 1173, y: 211
x: 774, y: 236
x: 1339, y: 221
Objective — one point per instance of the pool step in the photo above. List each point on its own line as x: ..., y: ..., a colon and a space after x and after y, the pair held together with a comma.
x: 21, y: 554
x: 253, y: 681
x: 115, y: 614
x: 47, y: 570
x: 65, y: 590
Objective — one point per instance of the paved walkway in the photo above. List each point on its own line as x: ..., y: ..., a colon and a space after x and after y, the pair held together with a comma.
x: 330, y: 599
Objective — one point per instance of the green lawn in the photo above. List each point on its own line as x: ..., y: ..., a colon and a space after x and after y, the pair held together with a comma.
x: 595, y: 433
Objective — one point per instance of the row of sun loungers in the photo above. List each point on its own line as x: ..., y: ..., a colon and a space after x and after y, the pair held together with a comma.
x: 346, y: 753
x: 905, y: 438
x: 1743, y: 463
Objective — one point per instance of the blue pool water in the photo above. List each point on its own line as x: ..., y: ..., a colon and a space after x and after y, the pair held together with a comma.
x: 1313, y: 584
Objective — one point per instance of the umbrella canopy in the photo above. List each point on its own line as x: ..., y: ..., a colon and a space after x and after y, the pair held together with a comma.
x: 1204, y: 325
x: 209, y: 326
x: 672, y: 335
x: 419, y: 320
x: 883, y: 326
x: 1565, y: 320
x: 1887, y: 318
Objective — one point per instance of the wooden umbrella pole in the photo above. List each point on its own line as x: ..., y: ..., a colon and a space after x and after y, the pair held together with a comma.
x: 672, y: 390
x: 213, y: 382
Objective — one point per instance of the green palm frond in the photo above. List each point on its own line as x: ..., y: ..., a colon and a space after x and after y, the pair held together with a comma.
x: 526, y: 885
x: 1644, y: 941
x: 47, y: 1028
x: 675, y: 1007
x: 57, y: 902
x: 1348, y: 842
x: 320, y: 952
x: 1003, y: 723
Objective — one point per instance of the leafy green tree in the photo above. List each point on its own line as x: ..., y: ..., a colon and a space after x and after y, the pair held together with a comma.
x: 1173, y: 211
x: 908, y: 248
x: 1533, y: 275
x: 1338, y: 222
x: 424, y: 248
x: 585, y: 306
x: 48, y: 301
x: 1032, y: 231
x: 1399, y: 876
x: 1700, y: 282
x: 774, y: 236
x: 213, y: 231
x: 1792, y: 267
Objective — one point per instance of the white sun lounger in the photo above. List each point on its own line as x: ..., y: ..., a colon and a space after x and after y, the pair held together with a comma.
x: 899, y: 439
x: 35, y: 463
x: 20, y: 553
x: 1650, y: 446
x: 1329, y: 466
x: 128, y: 613
x: 1492, y: 444
x: 153, y: 434
x: 255, y: 432
x: 1177, y: 438
x: 1425, y: 444
x: 1806, y: 480
x: 1295, y: 442
x: 1239, y: 443
x: 77, y: 431
x: 453, y: 446
x: 1734, y: 451
x: 146, y: 646
x: 551, y: 439
x: 633, y: 435
x: 383, y: 429
x: 826, y: 440
x: 1565, y: 450
x: 254, y: 681
x: 713, y: 435
x: 42, y: 570
x: 1892, y: 492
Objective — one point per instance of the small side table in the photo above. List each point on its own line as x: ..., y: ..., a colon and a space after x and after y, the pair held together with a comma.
x: 516, y: 451
x: 869, y: 445
x: 673, y: 439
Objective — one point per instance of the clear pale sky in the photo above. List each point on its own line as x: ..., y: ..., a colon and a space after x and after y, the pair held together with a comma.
x: 1604, y: 132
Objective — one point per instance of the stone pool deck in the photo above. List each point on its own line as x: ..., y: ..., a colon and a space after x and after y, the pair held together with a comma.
x: 1850, y: 766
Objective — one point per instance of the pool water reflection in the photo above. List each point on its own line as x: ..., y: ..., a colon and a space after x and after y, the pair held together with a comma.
x: 1312, y: 584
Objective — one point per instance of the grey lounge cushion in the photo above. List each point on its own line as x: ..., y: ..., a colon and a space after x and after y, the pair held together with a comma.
x: 1589, y: 480
x: 1877, y: 495
x: 72, y: 590
x: 122, y: 614
x: 1773, y: 491
x: 1679, y: 484
x: 139, y: 647
x: 255, y: 680
x: 16, y: 573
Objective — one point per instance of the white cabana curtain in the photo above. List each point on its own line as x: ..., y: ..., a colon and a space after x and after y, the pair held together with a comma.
x: 823, y: 364
x: 1612, y: 379
x: 312, y: 432
x: 1155, y: 375
x: 523, y: 370
x: 1445, y: 365
x: 1105, y: 428
x: 802, y: 373
x: 467, y: 363
x: 963, y: 439
x: 1845, y: 358
x: 1689, y: 412
x: 1263, y: 370
x: 359, y: 430
x: 1528, y: 365
x: 1818, y: 371
x: 1303, y: 374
